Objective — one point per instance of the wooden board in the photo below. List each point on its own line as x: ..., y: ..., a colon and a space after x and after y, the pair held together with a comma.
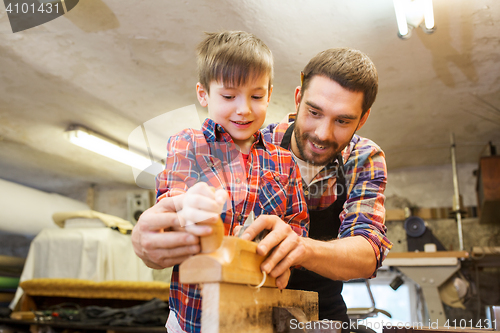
x: 435, y: 213
x: 229, y: 308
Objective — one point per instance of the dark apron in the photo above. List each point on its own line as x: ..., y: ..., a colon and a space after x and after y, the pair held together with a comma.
x: 324, y: 225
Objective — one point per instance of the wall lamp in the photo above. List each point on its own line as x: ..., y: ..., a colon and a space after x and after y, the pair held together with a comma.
x: 413, y: 14
x: 102, y: 145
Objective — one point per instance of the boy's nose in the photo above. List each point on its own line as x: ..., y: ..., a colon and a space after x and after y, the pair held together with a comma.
x: 244, y: 108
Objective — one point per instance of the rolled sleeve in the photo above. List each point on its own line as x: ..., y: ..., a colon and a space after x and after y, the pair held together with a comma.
x: 364, y: 212
x: 179, y: 173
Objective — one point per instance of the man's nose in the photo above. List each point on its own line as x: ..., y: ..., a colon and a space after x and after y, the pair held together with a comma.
x: 324, y: 132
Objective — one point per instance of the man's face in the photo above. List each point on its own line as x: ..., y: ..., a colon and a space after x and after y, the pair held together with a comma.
x: 328, y: 116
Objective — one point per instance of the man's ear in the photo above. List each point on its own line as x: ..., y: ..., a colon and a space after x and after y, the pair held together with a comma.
x: 363, y: 119
x: 202, y: 95
x: 298, y: 97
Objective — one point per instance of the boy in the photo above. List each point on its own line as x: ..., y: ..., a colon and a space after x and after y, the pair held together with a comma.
x: 229, y: 154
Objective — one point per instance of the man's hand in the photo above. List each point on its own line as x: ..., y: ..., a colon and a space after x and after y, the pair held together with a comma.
x: 287, y: 247
x: 159, y: 240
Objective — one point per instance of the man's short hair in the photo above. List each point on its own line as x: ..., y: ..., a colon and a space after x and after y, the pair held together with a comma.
x: 350, y: 68
x: 233, y: 57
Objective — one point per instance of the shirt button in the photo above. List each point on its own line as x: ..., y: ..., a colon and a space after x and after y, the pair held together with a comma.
x: 306, y: 192
x: 276, y: 178
x: 240, y: 218
x: 238, y: 181
x: 210, y: 164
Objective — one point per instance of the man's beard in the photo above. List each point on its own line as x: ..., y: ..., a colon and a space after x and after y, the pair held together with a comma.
x: 315, y: 158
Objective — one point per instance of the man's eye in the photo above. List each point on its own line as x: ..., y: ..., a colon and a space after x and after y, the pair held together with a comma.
x: 314, y: 113
x: 342, y: 121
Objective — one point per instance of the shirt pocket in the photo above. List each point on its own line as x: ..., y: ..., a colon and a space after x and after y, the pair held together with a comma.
x: 272, y: 193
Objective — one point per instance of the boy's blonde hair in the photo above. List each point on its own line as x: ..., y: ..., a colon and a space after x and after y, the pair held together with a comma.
x: 233, y: 57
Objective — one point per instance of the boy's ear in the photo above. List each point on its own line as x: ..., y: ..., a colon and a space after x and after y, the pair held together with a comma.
x: 269, y: 95
x: 202, y: 95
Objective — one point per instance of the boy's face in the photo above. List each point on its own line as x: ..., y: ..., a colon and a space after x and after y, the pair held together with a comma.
x: 241, y: 110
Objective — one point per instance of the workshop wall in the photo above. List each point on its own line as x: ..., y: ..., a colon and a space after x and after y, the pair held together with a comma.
x: 432, y: 187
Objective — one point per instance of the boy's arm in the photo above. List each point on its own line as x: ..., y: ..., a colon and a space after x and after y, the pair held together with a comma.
x: 180, y: 172
x: 158, y: 237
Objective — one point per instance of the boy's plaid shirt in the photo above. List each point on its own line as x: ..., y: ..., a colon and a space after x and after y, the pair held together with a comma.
x: 272, y: 187
x: 366, y: 177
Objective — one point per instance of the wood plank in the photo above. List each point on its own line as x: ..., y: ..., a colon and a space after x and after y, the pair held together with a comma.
x: 22, y: 315
x: 485, y: 250
x: 395, y: 215
x: 77, y: 288
x: 228, y: 308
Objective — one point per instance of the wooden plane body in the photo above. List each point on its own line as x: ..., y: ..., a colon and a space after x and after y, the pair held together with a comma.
x: 235, y: 261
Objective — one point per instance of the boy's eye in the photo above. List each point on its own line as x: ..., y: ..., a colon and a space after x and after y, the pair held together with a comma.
x: 227, y: 97
x: 257, y: 97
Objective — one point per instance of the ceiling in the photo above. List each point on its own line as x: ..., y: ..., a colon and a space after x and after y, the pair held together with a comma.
x: 112, y: 65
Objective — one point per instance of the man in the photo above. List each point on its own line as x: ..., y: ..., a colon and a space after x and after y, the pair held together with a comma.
x: 344, y: 178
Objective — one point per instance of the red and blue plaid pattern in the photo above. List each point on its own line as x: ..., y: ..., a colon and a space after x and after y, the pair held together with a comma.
x: 272, y: 185
x: 366, y: 178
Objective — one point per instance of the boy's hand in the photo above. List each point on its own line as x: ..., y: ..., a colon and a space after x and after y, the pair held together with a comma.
x: 158, y: 238
x: 286, y: 247
x: 201, y: 203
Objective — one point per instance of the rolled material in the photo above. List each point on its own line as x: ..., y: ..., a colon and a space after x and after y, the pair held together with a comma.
x: 24, y: 210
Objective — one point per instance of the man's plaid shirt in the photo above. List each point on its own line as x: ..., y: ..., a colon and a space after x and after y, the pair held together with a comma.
x: 272, y: 186
x: 366, y: 177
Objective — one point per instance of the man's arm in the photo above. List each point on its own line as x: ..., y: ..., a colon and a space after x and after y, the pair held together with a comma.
x: 340, y: 259
x: 362, y: 244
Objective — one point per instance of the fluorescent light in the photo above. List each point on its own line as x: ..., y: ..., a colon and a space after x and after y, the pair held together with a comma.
x: 97, y: 143
x: 400, y: 8
x: 428, y: 14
